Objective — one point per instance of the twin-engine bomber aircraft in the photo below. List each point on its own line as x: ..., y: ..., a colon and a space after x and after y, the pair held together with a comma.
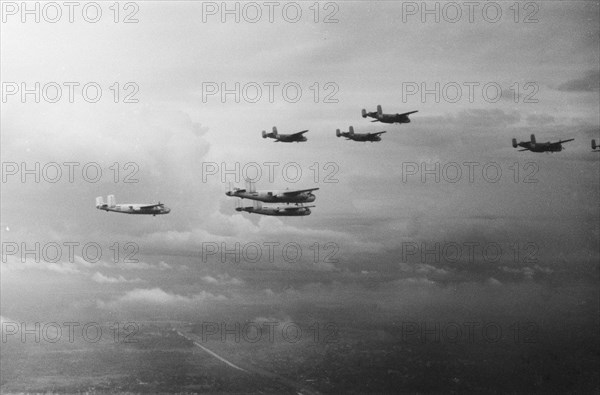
x: 534, y: 146
x: 154, y: 209
x: 285, y: 138
x: 595, y: 148
x: 387, y: 118
x: 274, y: 196
x: 359, y: 136
x: 290, y: 211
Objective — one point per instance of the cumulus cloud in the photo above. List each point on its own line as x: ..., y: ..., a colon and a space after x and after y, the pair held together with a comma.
x: 590, y: 82
x: 221, y: 280
x: 158, y: 297
x: 102, y: 279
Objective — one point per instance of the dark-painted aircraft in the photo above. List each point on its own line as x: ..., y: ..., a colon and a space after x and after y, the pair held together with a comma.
x: 131, y: 208
x: 595, y: 148
x: 387, y: 118
x: 534, y: 146
x: 274, y: 196
x: 289, y: 211
x: 285, y: 138
x: 359, y: 136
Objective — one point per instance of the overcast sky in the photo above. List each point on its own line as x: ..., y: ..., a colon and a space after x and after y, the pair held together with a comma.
x: 372, y: 200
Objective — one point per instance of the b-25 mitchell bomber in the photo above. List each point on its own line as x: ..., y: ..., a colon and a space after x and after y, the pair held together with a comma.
x: 285, y: 138
x: 289, y: 211
x: 387, y: 118
x: 130, y: 208
x: 274, y: 196
x: 359, y: 136
x: 595, y: 148
x: 534, y: 146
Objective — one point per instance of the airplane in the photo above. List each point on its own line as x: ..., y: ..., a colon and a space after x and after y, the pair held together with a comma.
x: 285, y: 138
x: 293, y: 211
x: 533, y: 146
x: 274, y: 196
x: 359, y: 136
x: 387, y: 118
x: 111, y: 205
x: 595, y: 148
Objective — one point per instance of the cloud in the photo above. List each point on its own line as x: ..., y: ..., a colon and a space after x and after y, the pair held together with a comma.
x: 102, y: 279
x: 221, y: 280
x: 590, y: 82
x: 157, y: 297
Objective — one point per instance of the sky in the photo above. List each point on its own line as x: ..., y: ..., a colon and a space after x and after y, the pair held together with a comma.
x: 442, y: 200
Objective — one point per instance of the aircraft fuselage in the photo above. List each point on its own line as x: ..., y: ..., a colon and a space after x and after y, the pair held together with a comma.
x: 274, y: 196
x: 136, y: 209
x: 363, y: 137
x: 542, y: 147
x: 389, y: 118
x: 281, y: 212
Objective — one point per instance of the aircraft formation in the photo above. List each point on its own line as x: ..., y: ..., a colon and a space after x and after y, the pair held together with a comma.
x: 350, y: 135
x: 297, y: 196
x: 301, y: 196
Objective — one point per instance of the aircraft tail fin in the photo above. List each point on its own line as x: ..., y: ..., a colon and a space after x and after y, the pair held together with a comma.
x: 351, y: 129
x: 264, y: 134
x: 337, y: 133
x: 379, y: 110
x: 364, y: 113
x: 257, y: 204
x: 514, y: 143
x: 99, y: 201
x: 111, y: 201
x: 533, y: 139
x: 250, y: 186
x: 275, y: 131
x: 594, y: 146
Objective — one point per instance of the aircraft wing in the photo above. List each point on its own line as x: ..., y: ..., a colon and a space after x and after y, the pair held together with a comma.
x: 151, y: 206
x: 377, y: 134
x: 525, y: 149
x: 299, y: 133
x: 298, y: 192
x: 564, y: 141
x: 294, y: 208
x: 410, y: 112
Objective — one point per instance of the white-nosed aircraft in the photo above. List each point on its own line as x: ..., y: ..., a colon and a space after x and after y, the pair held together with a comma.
x: 290, y: 211
x: 387, y: 118
x: 534, y: 146
x: 359, y: 136
x: 285, y: 138
x: 595, y: 148
x: 136, y: 208
x: 274, y: 196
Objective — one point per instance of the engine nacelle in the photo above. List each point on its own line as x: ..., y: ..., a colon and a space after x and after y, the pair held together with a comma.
x: 514, y: 142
